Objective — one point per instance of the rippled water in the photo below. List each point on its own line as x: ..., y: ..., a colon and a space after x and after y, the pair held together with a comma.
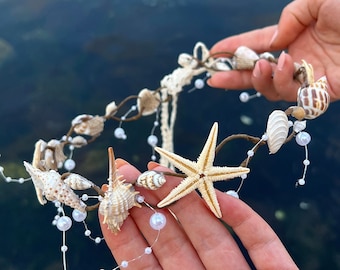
x: 59, y: 59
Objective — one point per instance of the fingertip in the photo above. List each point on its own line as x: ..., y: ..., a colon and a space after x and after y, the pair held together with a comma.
x: 152, y: 165
x: 120, y: 162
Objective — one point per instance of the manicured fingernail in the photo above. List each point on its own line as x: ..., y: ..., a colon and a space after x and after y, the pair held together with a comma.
x: 152, y: 165
x: 120, y: 162
x: 273, y: 38
x: 281, y: 61
x: 257, y: 70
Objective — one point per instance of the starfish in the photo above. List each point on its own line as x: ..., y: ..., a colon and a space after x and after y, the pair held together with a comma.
x: 200, y: 174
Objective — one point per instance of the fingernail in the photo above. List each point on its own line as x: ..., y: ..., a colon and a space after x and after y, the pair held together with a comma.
x: 152, y: 165
x: 281, y: 61
x: 273, y: 38
x: 257, y: 70
x: 120, y: 162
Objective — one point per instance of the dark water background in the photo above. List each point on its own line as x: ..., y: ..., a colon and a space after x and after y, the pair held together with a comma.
x: 63, y: 58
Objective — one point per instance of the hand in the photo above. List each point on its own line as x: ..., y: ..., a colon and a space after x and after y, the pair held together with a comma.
x: 310, y: 30
x: 200, y: 240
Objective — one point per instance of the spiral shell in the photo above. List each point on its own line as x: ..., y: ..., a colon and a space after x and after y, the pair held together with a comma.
x: 119, y: 198
x: 314, y: 98
x: 53, y: 187
x: 277, y: 130
x: 151, y: 180
x: 76, y: 181
x: 244, y: 58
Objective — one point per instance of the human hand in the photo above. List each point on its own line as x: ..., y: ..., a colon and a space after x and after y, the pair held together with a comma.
x: 199, y: 240
x: 309, y: 30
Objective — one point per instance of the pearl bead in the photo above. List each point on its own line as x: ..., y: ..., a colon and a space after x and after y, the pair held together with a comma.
x: 97, y: 240
x: 233, y: 193
x: 85, y: 197
x: 124, y: 264
x: 119, y: 133
x: 148, y: 250
x: 79, y: 216
x: 301, y: 182
x: 157, y: 221
x: 303, y: 138
x: 250, y: 153
x: 87, y: 233
x: 306, y: 162
x: 64, y: 223
x: 69, y: 164
x: 152, y: 140
x: 199, y: 83
x: 244, y: 97
x: 139, y: 198
x: 64, y: 248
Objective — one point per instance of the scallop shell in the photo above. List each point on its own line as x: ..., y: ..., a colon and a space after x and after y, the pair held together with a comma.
x: 76, y: 181
x: 244, y: 58
x: 53, y: 187
x: 314, y: 98
x: 148, y: 101
x: 151, y: 180
x: 277, y: 130
x: 119, y: 198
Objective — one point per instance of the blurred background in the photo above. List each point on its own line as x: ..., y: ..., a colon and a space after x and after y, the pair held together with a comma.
x: 62, y: 58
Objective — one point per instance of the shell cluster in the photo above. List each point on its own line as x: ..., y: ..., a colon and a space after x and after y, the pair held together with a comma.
x: 119, y: 198
x: 151, y: 180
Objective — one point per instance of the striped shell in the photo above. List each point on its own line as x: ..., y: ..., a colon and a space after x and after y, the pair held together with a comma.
x: 277, y: 130
x: 151, y: 180
x: 76, y: 181
x: 119, y: 198
x: 53, y: 187
x: 314, y: 98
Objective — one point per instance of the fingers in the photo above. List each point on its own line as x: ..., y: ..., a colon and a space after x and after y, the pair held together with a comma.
x: 263, y: 245
x: 211, y: 240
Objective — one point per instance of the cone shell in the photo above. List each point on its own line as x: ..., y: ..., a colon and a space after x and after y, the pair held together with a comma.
x: 116, y: 204
x: 76, y: 181
x: 54, y: 188
x: 151, y: 180
x: 277, y: 130
x: 314, y: 98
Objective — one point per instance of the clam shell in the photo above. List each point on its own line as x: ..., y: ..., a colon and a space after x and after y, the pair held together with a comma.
x: 277, y: 130
x: 314, y: 98
x: 151, y: 180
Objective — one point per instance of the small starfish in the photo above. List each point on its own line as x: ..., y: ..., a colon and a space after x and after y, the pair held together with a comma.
x: 200, y: 174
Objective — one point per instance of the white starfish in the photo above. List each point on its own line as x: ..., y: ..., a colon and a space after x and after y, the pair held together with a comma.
x: 200, y: 174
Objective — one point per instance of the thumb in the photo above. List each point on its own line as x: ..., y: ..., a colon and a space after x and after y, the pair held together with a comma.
x: 295, y: 18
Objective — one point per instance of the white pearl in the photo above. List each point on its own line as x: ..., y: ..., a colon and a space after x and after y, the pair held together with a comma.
x: 303, y: 138
x: 69, y: 164
x: 157, y: 221
x: 301, y: 182
x: 87, y: 233
x: 78, y: 215
x: 152, y: 140
x: 199, y: 83
x: 85, y: 197
x: 64, y: 223
x: 64, y: 248
x: 139, y: 198
x: 119, y: 133
x: 306, y: 162
x: 233, y: 193
x: 148, y: 250
x: 97, y: 240
x: 250, y: 153
x: 244, y: 97
x: 124, y: 264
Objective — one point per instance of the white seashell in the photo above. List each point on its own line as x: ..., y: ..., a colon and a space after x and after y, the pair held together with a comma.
x: 299, y: 126
x: 268, y: 56
x: 78, y: 141
x: 53, y: 187
x: 76, y: 181
x: 88, y: 125
x: 110, y: 109
x: 151, y: 180
x: 148, y: 101
x: 119, y: 198
x: 314, y: 98
x: 244, y: 58
x: 277, y: 130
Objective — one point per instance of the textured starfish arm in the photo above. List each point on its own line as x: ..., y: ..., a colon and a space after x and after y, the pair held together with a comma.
x: 208, y: 193
x: 184, y: 188
x: 185, y: 165
x: 223, y: 173
x: 207, y: 156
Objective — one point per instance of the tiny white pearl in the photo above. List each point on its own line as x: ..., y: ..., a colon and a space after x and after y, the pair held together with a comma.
x: 69, y: 164
x: 250, y: 153
x: 148, y: 250
x: 152, y: 140
x: 244, y: 97
x: 156, y: 123
x: 97, y: 240
x: 78, y: 215
x: 199, y: 83
x: 84, y: 197
x: 87, y: 233
x: 21, y: 180
x: 306, y: 162
x: 301, y: 182
x: 264, y: 137
x: 157, y: 221
x: 233, y: 193
x: 119, y: 133
x: 124, y: 264
x: 64, y: 223
x: 64, y: 248
x: 243, y: 176
x: 153, y: 157
x: 133, y: 107
x: 140, y: 199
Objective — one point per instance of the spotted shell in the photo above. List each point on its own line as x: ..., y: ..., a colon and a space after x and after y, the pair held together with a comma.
x: 314, y: 98
x: 244, y: 58
x: 277, y: 130
x: 76, y: 181
x: 116, y: 204
x: 53, y: 187
x: 151, y: 180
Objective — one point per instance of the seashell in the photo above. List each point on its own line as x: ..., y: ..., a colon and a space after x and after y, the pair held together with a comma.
x: 110, y: 109
x: 277, y: 130
x: 76, y: 181
x: 314, y: 98
x: 151, y: 180
x: 119, y: 198
x: 244, y: 58
x: 268, y: 56
x: 88, y: 125
x: 53, y: 187
x: 148, y: 101
x: 78, y: 141
x: 299, y: 126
